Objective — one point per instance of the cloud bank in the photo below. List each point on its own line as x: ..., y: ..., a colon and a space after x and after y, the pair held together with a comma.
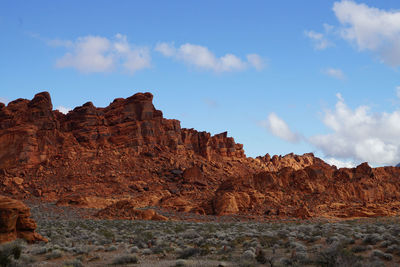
x: 370, y: 29
x: 202, y: 58
x: 91, y: 54
x: 360, y: 135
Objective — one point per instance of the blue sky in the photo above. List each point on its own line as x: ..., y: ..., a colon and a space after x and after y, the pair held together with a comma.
x: 279, y: 76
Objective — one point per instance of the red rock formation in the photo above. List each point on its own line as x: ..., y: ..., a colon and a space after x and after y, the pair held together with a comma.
x: 125, y: 210
x: 317, y: 190
x: 15, y: 222
x: 97, y: 156
x: 31, y: 133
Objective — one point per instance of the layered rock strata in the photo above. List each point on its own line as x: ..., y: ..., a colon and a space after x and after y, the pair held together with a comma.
x: 127, y: 151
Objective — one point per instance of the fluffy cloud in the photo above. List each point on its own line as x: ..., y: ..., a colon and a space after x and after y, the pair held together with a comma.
x: 3, y: 100
x: 335, y: 73
x: 279, y: 128
x: 99, y: 54
x: 370, y: 29
x: 319, y: 39
x: 203, y: 58
x: 63, y: 110
x: 360, y: 135
x: 398, y: 91
x: 340, y: 163
x: 255, y: 61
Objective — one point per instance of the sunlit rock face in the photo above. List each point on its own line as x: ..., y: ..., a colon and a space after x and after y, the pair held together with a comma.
x: 15, y: 222
x: 127, y: 151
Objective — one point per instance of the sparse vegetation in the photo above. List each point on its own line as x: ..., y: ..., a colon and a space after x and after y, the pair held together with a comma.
x: 79, y: 242
x: 125, y: 259
x: 9, y: 252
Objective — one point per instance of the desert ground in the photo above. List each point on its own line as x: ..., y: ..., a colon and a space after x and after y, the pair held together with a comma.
x: 76, y: 239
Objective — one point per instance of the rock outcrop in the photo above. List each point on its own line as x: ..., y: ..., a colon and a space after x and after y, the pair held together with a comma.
x: 317, y: 190
x: 125, y: 210
x: 32, y: 133
x: 15, y: 222
x: 127, y: 151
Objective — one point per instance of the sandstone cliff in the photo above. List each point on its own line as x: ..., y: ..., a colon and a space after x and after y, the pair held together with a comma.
x: 129, y: 152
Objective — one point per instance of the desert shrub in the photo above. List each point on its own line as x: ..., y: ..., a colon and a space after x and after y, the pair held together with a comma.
x: 10, y: 251
x: 268, y: 241
x: 111, y: 248
x: 189, y: 252
x: 147, y: 251
x: 384, y: 256
x: 337, y: 256
x: 261, y: 257
x: 283, y: 233
x: 248, y: 255
x: 180, y: 263
x: 83, y: 250
x: 55, y: 254
x: 26, y: 259
x: 372, y: 239
x: 384, y: 244
x: 39, y: 251
x: 332, y: 239
x: 298, y: 246
x: 312, y: 239
x: 106, y: 233
x: 134, y: 249
x: 246, y: 263
x: 124, y: 259
x: 73, y: 263
x: 358, y: 249
x: 393, y: 249
x: 157, y: 250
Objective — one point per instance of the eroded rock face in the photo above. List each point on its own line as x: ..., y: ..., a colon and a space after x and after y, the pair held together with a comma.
x: 96, y: 157
x: 31, y: 132
x: 126, y: 210
x: 315, y: 191
x: 15, y: 222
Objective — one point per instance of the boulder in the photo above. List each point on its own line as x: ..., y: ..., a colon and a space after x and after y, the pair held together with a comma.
x: 15, y: 222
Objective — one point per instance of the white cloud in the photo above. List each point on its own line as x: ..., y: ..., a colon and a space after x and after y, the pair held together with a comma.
x: 99, y: 54
x: 255, y: 61
x: 167, y: 49
x: 279, y: 128
x: 89, y: 54
x: 201, y: 57
x: 63, y: 110
x: 398, y: 91
x: 340, y: 163
x: 370, y: 29
x: 360, y: 135
x: 319, y: 39
x: 134, y: 59
x: 3, y: 100
x: 335, y: 73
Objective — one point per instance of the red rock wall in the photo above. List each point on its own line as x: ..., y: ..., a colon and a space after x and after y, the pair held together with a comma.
x: 31, y: 132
